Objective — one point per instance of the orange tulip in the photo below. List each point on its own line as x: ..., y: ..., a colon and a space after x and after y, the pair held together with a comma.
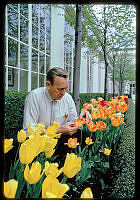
x: 100, y: 125
x: 116, y: 119
x: 79, y: 122
x: 122, y: 108
x: 95, y: 115
x: 72, y: 143
x: 92, y: 126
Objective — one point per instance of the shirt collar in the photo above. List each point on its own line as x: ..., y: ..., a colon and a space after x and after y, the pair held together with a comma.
x: 49, y: 97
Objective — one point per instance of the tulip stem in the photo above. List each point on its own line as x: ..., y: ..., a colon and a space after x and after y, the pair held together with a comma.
x: 64, y: 179
x: 81, y: 134
x: 17, y: 153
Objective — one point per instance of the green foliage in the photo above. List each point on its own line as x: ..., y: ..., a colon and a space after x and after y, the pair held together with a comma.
x: 85, y: 97
x: 14, y: 108
x: 123, y: 176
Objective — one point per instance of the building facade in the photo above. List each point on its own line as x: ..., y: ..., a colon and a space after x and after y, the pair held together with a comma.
x: 36, y: 38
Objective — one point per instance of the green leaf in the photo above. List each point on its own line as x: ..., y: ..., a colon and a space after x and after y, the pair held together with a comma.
x: 96, y: 159
x: 106, y: 164
x: 29, y: 188
x: 11, y: 172
x: 102, y: 183
x: 37, y: 187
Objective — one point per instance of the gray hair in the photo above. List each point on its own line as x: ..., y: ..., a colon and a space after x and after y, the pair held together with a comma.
x: 56, y: 71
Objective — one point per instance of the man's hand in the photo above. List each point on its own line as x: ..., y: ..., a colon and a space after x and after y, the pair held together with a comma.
x: 68, y: 128
x: 85, y: 114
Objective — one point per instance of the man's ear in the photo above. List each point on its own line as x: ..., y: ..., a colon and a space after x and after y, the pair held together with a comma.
x: 48, y: 83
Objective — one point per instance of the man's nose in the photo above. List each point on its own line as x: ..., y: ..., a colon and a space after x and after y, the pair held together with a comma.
x: 63, y: 91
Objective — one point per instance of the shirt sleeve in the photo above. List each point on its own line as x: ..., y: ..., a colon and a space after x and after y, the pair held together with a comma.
x: 31, y: 111
x: 72, y: 110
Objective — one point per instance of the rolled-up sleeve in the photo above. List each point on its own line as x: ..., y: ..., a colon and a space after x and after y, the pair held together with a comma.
x: 31, y: 111
x: 72, y: 110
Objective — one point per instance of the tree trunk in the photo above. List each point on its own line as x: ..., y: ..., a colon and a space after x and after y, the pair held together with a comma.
x: 105, y: 58
x: 106, y: 78
x: 77, y: 58
x: 113, y: 76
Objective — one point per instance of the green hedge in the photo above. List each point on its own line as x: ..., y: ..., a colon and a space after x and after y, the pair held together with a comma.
x: 14, y: 108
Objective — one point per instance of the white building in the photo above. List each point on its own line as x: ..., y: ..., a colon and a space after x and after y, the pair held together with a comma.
x: 35, y: 42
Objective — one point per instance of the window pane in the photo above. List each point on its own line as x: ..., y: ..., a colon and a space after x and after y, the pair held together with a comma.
x: 34, y: 61
x: 12, y: 21
x: 48, y: 45
x: 34, y: 78
x: 47, y: 63
x: 12, y: 52
x: 35, y: 13
x: 12, y: 79
x: 35, y: 36
x: 41, y: 80
x: 23, y: 80
x: 24, y: 9
x: 23, y: 30
x: 42, y: 41
x: 23, y: 56
x: 41, y: 64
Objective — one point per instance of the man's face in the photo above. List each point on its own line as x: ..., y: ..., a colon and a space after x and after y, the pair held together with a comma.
x: 58, y: 89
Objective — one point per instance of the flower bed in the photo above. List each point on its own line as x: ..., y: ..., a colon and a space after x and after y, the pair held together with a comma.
x: 37, y: 172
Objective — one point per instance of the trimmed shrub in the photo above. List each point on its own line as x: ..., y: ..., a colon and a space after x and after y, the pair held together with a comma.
x: 14, y: 108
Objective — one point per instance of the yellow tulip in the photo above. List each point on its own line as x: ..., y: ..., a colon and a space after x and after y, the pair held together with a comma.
x: 21, y: 136
x: 56, y: 124
x: 8, y: 145
x: 33, y: 175
x: 87, y: 193
x: 52, y: 169
x: 40, y: 127
x: 88, y: 141
x: 72, y: 165
x: 51, y: 188
x: 31, y: 130
x: 51, y: 131
x: 49, y: 145
x: 30, y: 149
x: 107, y: 151
x: 10, y: 188
x: 50, y: 153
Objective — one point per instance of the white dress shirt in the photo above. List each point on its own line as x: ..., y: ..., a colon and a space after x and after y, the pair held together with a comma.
x: 39, y: 107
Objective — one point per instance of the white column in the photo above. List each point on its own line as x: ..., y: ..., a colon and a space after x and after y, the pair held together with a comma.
x: 95, y: 74
x: 83, y: 72
x: 30, y: 45
x: 57, y: 36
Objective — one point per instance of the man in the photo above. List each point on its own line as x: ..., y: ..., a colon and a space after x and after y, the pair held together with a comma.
x: 52, y: 103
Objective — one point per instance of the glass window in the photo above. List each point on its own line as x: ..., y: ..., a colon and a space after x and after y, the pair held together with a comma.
x: 13, y: 78
x: 23, y: 56
x: 12, y: 52
x: 24, y: 9
x: 42, y: 60
x: 41, y: 80
x: 24, y: 30
x: 12, y: 20
x: 34, y: 78
x: 23, y: 80
x: 21, y: 60
x: 34, y: 61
